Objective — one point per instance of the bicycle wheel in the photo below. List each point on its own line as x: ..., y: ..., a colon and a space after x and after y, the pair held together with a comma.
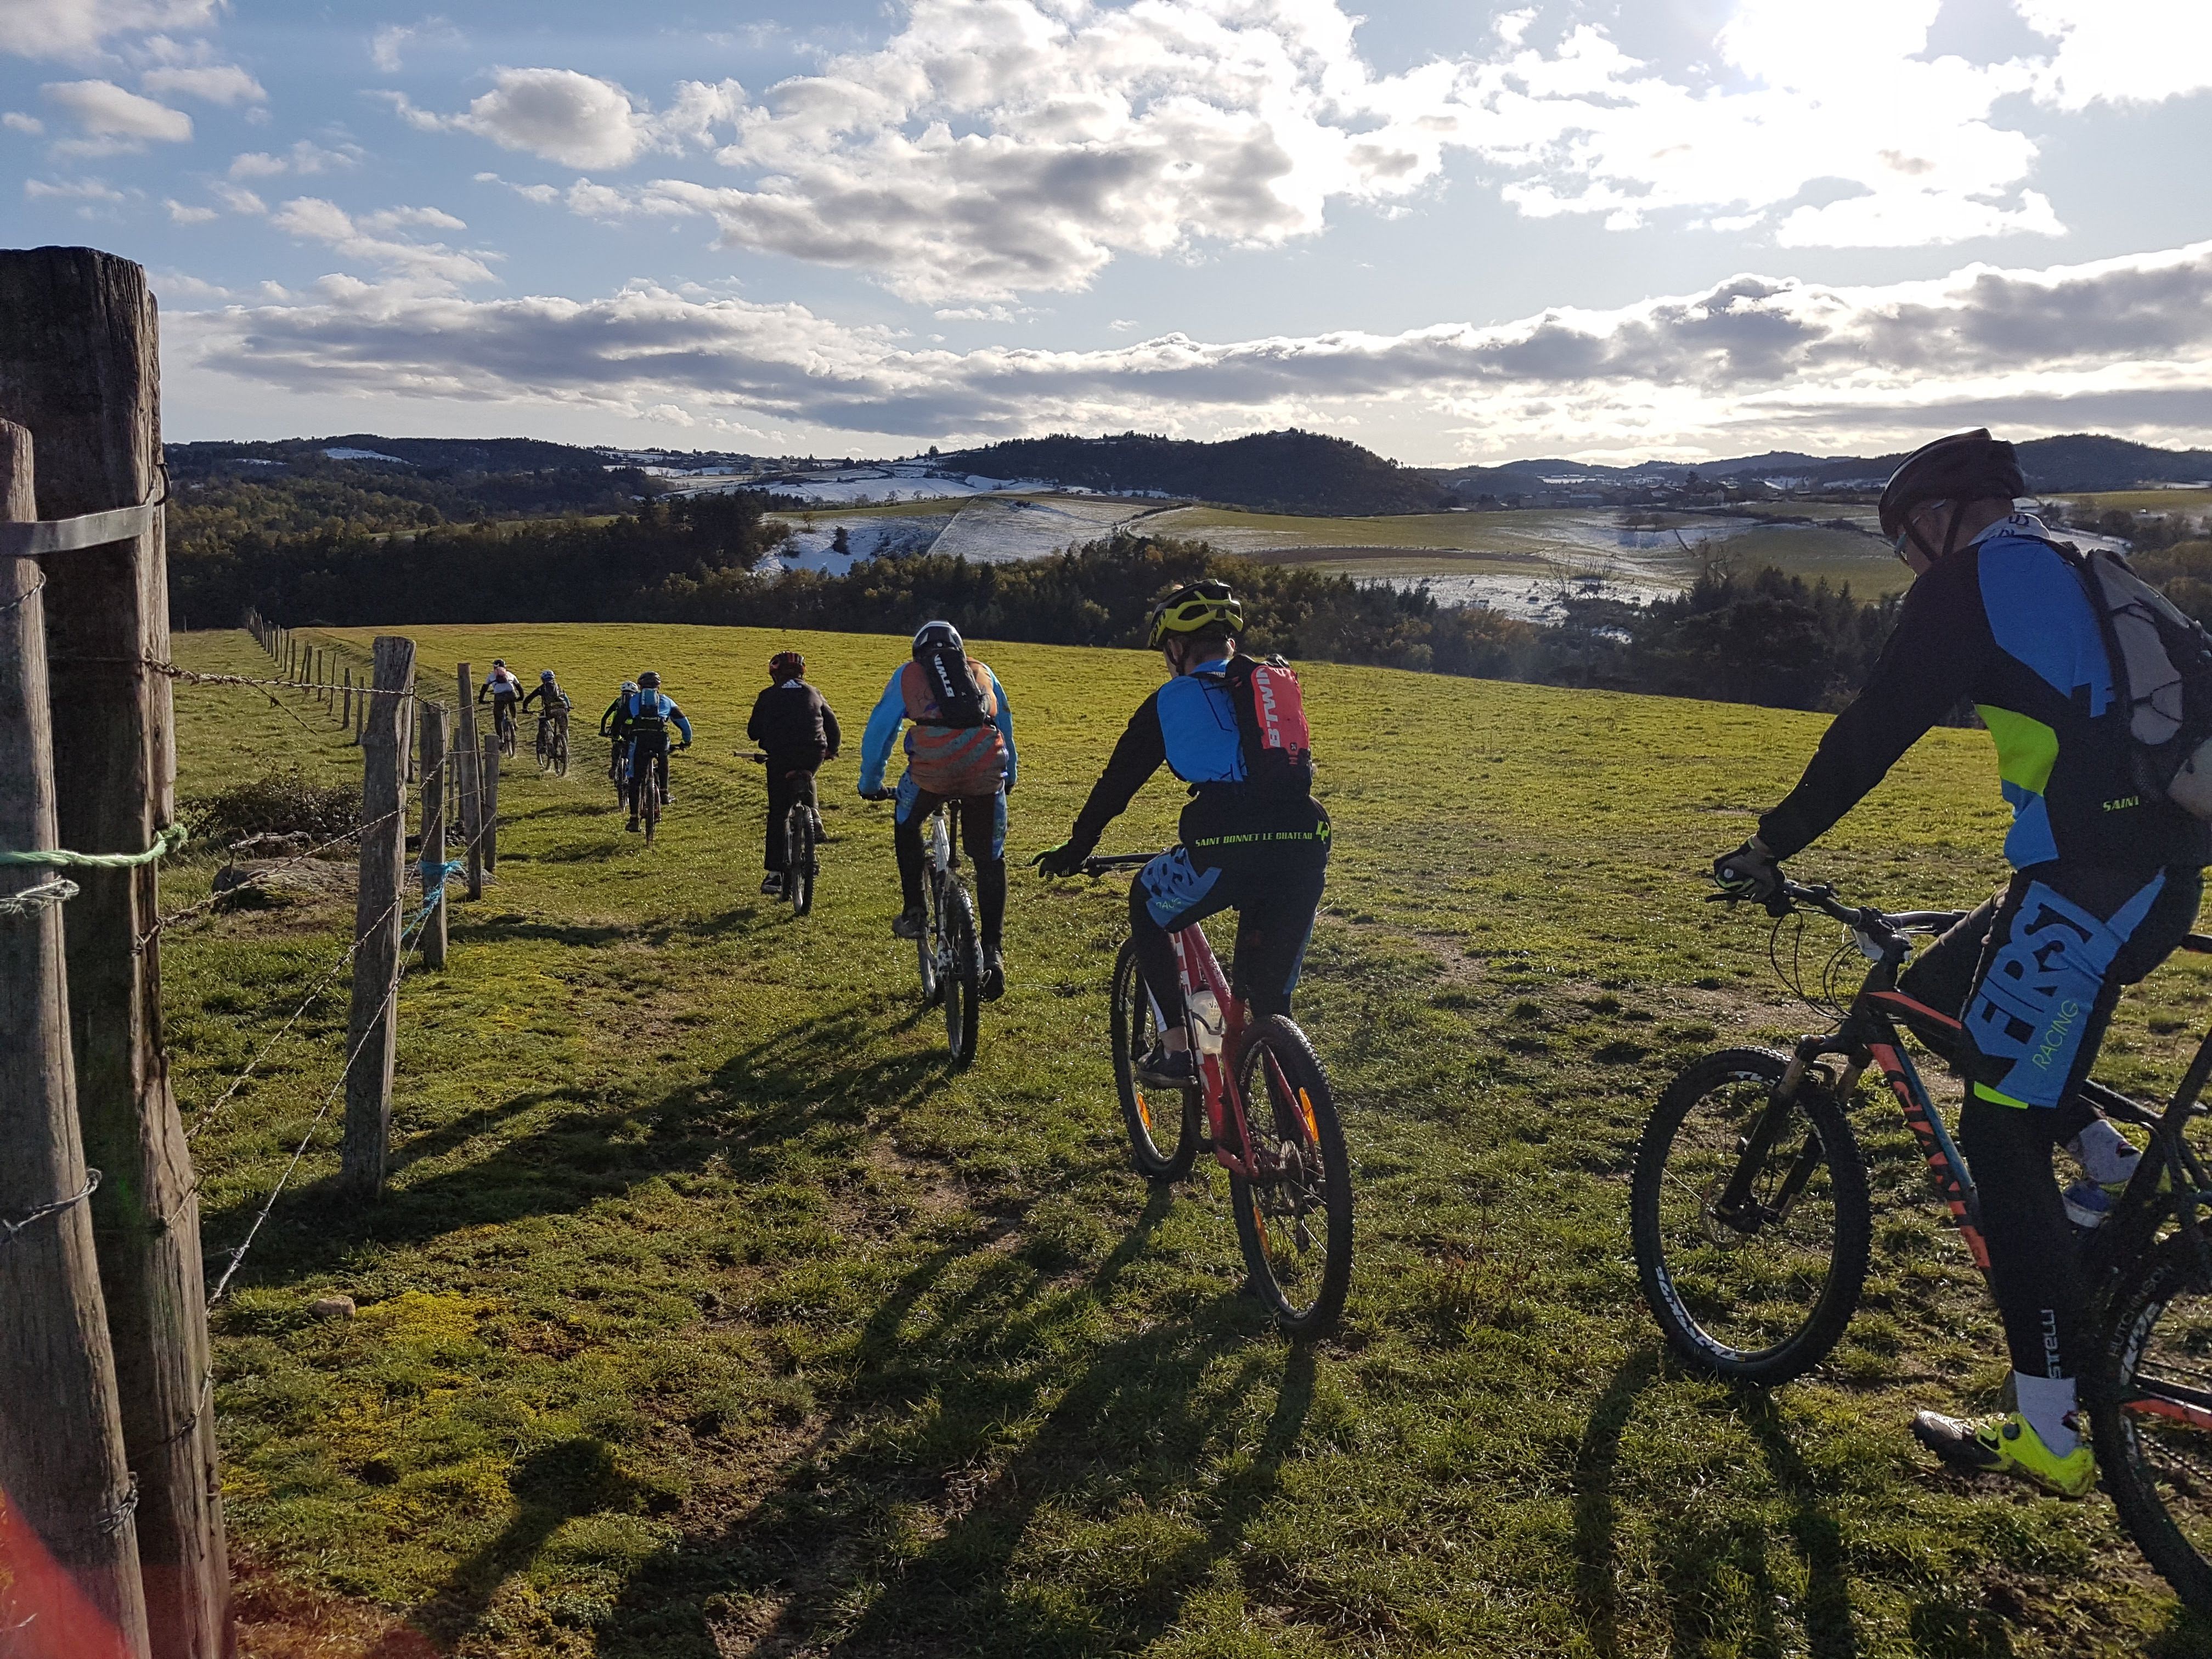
x: 561, y: 751
x: 1135, y: 1029
x: 2150, y: 1414
x: 544, y: 749
x: 506, y: 734
x: 959, y: 973
x: 1760, y: 1296
x: 649, y: 802
x: 798, y: 859
x: 1302, y: 1274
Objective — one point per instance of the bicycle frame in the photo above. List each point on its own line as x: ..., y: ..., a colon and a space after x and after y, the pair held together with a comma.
x: 1227, y: 1126
x: 1868, y: 1035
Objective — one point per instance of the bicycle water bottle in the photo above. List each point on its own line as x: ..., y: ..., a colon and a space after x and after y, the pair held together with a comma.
x: 2087, y: 1205
x: 1207, y: 1028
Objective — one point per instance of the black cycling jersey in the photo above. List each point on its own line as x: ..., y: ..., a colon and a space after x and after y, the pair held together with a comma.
x: 791, y: 720
x: 2002, y: 622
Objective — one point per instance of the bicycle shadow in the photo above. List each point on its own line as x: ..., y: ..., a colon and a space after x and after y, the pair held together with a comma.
x: 1698, y: 1561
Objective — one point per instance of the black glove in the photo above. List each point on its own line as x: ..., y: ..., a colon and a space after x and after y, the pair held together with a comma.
x: 875, y: 794
x: 1750, y: 872
x: 1065, y: 859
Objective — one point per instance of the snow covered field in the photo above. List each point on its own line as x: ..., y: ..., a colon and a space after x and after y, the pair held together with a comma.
x: 990, y: 529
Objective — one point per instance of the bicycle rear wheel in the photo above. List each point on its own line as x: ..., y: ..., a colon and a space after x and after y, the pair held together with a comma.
x: 1759, y: 1295
x: 2150, y: 1414
x: 649, y: 798
x: 544, y: 750
x: 959, y: 973
x: 1162, y: 1125
x: 1295, y: 1222
x: 561, y: 751
x: 798, y: 859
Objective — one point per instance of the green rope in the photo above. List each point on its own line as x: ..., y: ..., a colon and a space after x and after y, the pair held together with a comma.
x: 166, y: 843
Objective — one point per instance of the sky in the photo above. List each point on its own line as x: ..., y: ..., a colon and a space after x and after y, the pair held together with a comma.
x: 1609, y: 230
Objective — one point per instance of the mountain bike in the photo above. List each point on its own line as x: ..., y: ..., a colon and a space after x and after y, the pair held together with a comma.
x: 948, y: 953
x: 618, y: 768
x: 802, y: 833
x: 503, y: 717
x: 1290, y: 1177
x: 553, y: 742
x: 654, y: 792
x: 1751, y: 1223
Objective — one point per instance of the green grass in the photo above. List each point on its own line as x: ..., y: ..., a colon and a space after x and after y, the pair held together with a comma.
x: 709, y: 1312
x: 2194, y: 502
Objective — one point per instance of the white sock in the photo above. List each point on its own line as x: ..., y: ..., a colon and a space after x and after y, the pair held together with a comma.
x: 2046, y: 1402
x: 2107, y: 1157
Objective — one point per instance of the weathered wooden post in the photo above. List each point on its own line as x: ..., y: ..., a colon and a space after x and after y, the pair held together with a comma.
x: 467, y: 777
x: 431, y: 853
x: 488, y: 806
x: 345, y: 710
x: 79, y: 366
x: 372, y: 1033
x: 62, y: 1461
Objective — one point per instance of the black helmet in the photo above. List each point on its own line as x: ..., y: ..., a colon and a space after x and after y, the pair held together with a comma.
x: 1966, y: 466
x: 499, y: 662
x: 648, y: 681
x: 937, y: 636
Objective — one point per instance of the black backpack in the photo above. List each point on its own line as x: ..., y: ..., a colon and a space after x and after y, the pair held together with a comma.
x: 2161, y: 663
x: 959, y: 701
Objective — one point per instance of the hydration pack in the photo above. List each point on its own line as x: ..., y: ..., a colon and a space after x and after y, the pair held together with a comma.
x: 959, y: 700
x: 2161, y: 663
x: 1271, y: 725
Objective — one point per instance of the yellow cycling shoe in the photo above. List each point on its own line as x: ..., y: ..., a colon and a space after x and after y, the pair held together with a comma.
x: 2007, y: 1444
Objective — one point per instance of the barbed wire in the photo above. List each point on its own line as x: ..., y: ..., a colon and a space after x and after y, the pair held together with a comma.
x: 12, y: 1230
x: 176, y: 919
x: 25, y: 594
x: 32, y: 900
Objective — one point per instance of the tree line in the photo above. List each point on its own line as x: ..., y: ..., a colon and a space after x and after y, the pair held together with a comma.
x: 1760, y: 636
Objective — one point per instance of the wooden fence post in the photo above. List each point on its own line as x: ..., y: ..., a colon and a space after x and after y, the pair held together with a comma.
x: 431, y: 853
x: 62, y: 1463
x: 345, y: 710
x: 488, y: 806
x: 467, y: 779
x: 79, y: 365
x: 372, y: 1032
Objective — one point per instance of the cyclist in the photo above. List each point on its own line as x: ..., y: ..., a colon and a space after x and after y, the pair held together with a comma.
x: 793, y: 724
x: 2105, y: 885
x: 614, y: 726
x: 1258, y: 844
x: 961, y: 750
x: 552, y: 701
x: 646, y: 716
x: 503, y: 690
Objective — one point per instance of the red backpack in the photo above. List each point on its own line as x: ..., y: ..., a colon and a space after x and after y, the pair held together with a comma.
x: 1271, y: 725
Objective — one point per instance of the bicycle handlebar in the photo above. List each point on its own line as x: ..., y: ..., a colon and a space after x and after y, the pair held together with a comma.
x: 1099, y: 863
x: 1886, y: 927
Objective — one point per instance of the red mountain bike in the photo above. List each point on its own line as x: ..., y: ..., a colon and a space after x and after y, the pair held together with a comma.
x: 1290, y: 1179
x: 1752, y: 1222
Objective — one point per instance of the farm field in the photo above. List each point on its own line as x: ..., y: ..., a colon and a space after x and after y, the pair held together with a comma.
x: 709, y: 1313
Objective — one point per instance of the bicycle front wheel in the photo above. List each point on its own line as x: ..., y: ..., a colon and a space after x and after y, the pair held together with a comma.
x: 560, y: 752
x: 799, y: 861
x: 1294, y: 1220
x: 544, y: 749
x: 1163, y: 1124
x: 958, y: 971
x: 1757, y: 1292
x: 2150, y: 1414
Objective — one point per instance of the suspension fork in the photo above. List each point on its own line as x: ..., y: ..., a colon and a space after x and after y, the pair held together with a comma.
x: 1738, y: 1206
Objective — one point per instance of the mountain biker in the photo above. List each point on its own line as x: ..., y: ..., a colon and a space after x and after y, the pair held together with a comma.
x: 503, y: 690
x: 614, y: 724
x: 961, y: 750
x: 1257, y: 845
x: 646, y: 715
x: 552, y: 701
x: 2105, y: 884
x: 793, y: 724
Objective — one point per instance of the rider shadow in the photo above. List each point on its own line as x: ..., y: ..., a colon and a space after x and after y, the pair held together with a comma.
x: 1695, y: 1560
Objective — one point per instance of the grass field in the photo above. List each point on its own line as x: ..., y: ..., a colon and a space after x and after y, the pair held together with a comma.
x: 709, y: 1313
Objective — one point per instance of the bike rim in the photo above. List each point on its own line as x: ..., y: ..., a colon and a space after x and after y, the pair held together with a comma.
x: 1750, y: 1283
x: 1289, y: 1196
x: 1159, y: 1111
x: 2165, y: 1411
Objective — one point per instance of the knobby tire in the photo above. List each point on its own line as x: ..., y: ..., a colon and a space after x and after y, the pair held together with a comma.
x: 1162, y: 1114
x: 1288, y: 1102
x: 1689, y: 1260
x: 798, y: 859
x: 960, y: 977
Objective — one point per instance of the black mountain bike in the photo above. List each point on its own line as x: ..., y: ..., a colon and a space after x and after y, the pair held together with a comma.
x: 553, y: 742
x: 503, y: 717
x: 802, y: 833
x: 949, y: 953
x: 1752, y: 1224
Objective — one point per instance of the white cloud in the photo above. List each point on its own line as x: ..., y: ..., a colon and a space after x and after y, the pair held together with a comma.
x: 399, y: 218
x: 386, y: 44
x: 238, y: 199
x: 216, y: 83
x: 16, y: 121
x: 180, y: 214
x: 303, y: 157
x: 2122, y: 51
x: 122, y: 119
x: 420, y: 267
x: 75, y: 29
x: 72, y: 189
x: 1750, y: 363
x: 560, y: 115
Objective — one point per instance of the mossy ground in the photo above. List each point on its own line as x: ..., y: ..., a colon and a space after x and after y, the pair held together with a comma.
x: 709, y: 1312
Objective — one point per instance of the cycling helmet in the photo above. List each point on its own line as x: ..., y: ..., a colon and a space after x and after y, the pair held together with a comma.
x: 545, y: 675
x: 1192, y: 607
x: 499, y: 662
x: 1966, y: 466
x: 629, y: 685
x: 937, y: 636
x: 786, y: 666
x: 648, y: 681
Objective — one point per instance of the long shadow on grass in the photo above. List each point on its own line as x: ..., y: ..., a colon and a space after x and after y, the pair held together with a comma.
x: 799, y: 1094
x: 982, y: 1398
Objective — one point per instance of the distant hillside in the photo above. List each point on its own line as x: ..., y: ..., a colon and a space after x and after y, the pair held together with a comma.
x: 1290, y: 472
